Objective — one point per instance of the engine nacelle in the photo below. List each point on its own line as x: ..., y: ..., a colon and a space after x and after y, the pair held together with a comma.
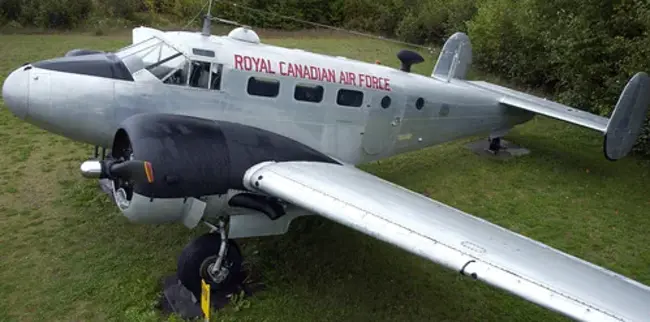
x: 144, y: 210
x: 197, y: 167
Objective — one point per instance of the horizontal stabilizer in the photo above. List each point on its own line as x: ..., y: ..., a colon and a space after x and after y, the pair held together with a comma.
x: 621, y: 130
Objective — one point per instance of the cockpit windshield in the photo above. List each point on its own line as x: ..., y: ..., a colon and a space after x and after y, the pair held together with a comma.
x: 154, y: 55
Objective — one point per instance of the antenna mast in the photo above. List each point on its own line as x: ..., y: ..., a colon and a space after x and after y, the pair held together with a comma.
x: 207, y: 22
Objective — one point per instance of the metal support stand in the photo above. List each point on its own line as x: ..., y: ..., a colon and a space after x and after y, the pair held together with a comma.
x: 495, y: 145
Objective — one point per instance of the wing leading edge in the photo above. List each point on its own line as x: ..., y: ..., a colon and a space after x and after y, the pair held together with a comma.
x: 454, y: 239
x: 621, y: 129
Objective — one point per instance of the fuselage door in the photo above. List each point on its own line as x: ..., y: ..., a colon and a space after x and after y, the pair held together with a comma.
x: 383, y: 123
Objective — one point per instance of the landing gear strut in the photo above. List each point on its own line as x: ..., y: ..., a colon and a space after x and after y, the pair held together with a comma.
x: 213, y: 258
x: 96, y: 154
x: 104, y: 184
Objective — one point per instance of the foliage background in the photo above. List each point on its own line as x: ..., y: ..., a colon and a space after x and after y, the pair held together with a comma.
x: 580, y: 53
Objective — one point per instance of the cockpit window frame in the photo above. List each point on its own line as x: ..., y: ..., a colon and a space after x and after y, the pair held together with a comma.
x: 119, y: 52
x: 156, y: 42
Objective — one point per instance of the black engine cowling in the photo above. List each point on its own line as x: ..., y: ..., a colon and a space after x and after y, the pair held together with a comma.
x: 194, y: 157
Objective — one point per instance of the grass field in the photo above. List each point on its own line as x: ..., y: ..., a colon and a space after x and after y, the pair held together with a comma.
x: 67, y: 255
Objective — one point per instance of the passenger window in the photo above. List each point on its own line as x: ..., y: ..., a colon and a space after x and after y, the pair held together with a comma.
x: 263, y: 87
x: 308, y: 93
x: 348, y: 97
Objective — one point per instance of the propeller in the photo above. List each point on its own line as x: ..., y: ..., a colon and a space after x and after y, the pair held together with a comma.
x: 136, y: 170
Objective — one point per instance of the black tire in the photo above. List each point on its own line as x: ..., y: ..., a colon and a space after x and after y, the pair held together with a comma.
x: 191, y: 263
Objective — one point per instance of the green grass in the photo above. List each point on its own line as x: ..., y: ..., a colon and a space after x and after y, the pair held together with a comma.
x: 67, y: 255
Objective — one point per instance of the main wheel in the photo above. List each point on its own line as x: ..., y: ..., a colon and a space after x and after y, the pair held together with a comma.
x: 197, y: 259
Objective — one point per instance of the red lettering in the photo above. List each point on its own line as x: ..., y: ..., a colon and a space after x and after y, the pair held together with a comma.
x: 269, y: 66
x: 282, y: 72
x: 331, y: 75
x: 291, y: 71
x: 352, y: 79
x: 263, y: 67
x: 323, y: 74
x: 314, y: 73
x: 379, y: 83
x: 238, y: 61
x: 298, y: 71
x: 368, y: 81
x: 342, y: 78
x: 248, y: 64
x: 256, y: 61
x: 311, y: 72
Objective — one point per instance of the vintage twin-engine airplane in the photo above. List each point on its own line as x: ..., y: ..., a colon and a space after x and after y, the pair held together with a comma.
x: 245, y: 137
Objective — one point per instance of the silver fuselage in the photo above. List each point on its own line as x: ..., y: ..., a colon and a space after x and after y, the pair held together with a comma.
x: 89, y: 108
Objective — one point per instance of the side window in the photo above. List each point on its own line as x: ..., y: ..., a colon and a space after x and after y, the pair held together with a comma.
x: 200, y: 75
x: 215, y: 78
x: 260, y: 86
x: 206, y: 75
x: 348, y: 97
x: 177, y: 76
x: 308, y: 93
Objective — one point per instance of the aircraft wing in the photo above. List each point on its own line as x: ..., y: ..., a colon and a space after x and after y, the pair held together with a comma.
x: 454, y: 239
x: 621, y: 129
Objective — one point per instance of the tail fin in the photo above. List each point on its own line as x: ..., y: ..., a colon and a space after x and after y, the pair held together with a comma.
x: 626, y: 122
x: 455, y: 58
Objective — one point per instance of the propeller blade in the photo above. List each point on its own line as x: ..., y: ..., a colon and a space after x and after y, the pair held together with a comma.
x: 132, y: 169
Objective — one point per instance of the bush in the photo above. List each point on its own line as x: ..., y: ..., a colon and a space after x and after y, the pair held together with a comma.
x: 432, y: 21
x: 125, y: 9
x: 583, y: 52
x: 46, y: 13
x: 10, y: 10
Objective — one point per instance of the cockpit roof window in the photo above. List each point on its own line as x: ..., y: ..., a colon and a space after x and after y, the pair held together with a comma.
x: 152, y: 54
x: 138, y: 47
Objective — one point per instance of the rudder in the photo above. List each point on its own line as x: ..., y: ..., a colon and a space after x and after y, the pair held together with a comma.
x: 455, y: 58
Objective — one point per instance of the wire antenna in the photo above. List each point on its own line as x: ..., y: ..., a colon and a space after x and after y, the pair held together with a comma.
x: 353, y: 32
x: 207, y: 21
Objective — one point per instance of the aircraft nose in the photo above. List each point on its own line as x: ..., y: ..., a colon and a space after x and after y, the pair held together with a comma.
x: 15, y: 92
